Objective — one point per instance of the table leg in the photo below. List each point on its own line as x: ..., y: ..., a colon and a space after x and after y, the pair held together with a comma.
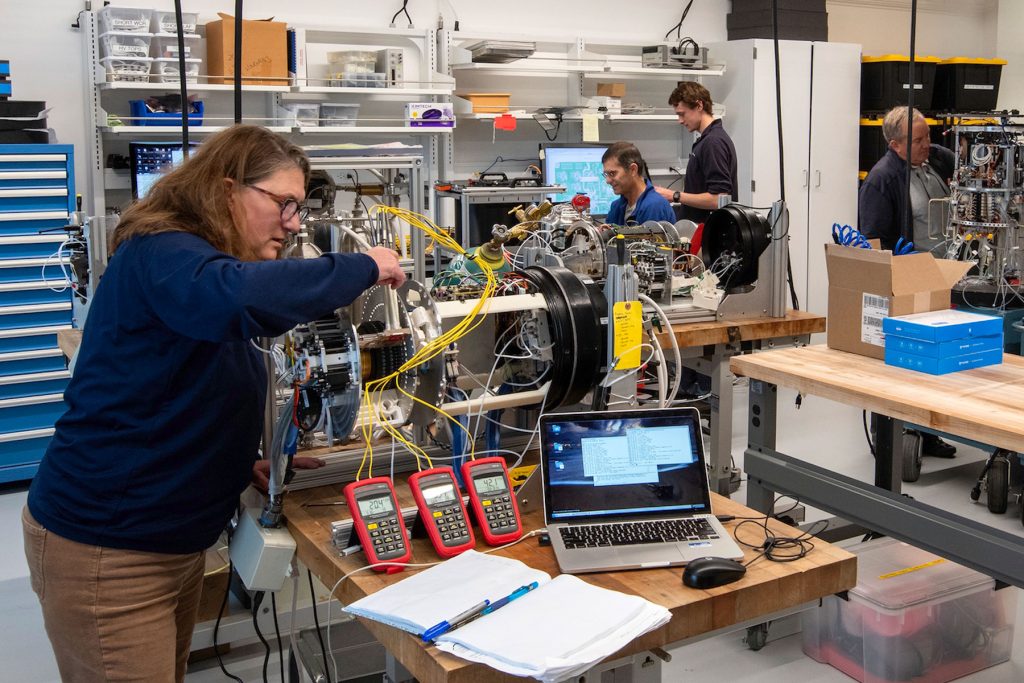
x: 720, y: 422
x: 394, y: 672
x: 761, y: 434
x: 888, y: 452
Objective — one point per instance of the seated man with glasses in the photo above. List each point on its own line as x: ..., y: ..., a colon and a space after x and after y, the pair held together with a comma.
x: 638, y: 201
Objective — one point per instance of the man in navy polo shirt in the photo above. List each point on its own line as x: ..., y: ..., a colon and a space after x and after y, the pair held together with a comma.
x: 711, y: 170
x: 638, y: 201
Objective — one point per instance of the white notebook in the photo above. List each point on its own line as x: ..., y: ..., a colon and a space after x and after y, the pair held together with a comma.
x: 560, y: 629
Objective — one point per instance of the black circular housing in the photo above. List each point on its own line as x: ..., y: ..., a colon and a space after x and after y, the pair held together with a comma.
x: 575, y: 310
x: 735, y: 231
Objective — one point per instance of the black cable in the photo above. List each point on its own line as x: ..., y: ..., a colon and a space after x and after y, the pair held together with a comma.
x: 558, y: 127
x: 867, y: 432
x: 238, y: 61
x: 257, y: 600
x: 500, y: 160
x: 316, y: 623
x: 216, y: 626
x: 679, y: 27
x: 792, y: 548
x: 183, y: 80
x: 910, y: 115
x: 782, y: 162
x: 402, y: 9
x: 277, y: 632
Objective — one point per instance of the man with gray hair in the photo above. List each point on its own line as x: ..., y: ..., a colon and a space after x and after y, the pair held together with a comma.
x: 882, y: 201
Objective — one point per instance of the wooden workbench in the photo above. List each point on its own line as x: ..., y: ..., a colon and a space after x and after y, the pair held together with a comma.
x: 793, y: 324
x: 767, y: 587
x: 983, y: 404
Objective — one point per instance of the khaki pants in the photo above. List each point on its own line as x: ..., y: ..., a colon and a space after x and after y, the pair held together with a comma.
x: 114, y: 615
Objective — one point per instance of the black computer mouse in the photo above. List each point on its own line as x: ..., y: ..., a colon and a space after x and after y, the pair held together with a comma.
x: 708, y: 572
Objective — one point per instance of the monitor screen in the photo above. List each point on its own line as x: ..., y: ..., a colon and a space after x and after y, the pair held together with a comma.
x: 148, y: 161
x: 578, y: 167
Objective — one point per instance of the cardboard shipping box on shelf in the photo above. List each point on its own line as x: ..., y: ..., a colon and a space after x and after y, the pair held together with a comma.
x: 611, y: 89
x: 867, y: 285
x: 264, y: 51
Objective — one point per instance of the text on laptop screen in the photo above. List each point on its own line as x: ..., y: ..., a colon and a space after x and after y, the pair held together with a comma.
x: 628, y: 466
x: 580, y: 170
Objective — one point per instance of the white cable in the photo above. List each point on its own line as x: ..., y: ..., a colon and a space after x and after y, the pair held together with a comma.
x: 677, y: 356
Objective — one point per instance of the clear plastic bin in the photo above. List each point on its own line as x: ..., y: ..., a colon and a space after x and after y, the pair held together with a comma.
x: 338, y: 114
x: 298, y: 114
x: 912, y: 617
x: 356, y: 61
x: 357, y: 79
x: 165, y: 45
x: 166, y: 70
x: 165, y: 22
x: 123, y: 19
x: 125, y: 44
x: 129, y: 69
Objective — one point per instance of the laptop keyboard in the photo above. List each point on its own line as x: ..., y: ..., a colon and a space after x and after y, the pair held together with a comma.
x: 636, y: 533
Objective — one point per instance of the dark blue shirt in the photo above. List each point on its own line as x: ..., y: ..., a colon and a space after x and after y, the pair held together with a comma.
x: 165, y: 408
x: 882, y: 198
x: 711, y: 168
x: 650, y: 206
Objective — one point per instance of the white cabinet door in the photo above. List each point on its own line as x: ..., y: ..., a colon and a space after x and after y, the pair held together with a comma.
x: 834, y: 135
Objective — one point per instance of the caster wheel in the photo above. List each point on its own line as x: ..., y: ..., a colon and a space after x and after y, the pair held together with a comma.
x: 912, y: 447
x: 998, y: 486
x: 757, y: 636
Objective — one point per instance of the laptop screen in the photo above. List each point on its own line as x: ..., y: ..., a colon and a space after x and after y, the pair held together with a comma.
x: 623, y: 464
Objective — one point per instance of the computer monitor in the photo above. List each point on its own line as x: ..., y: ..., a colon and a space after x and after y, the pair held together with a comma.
x: 578, y: 166
x: 148, y: 161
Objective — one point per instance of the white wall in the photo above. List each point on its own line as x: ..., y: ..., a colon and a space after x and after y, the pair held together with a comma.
x: 945, y: 28
x: 1010, y: 47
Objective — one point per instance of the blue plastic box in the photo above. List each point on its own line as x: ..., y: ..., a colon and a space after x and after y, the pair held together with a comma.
x: 945, y: 325
x: 143, y: 117
x: 955, y: 347
x: 943, y: 366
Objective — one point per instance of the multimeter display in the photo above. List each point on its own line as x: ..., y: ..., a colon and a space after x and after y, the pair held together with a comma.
x: 441, y: 511
x: 439, y: 495
x: 372, y: 507
x: 490, y: 496
x: 378, y: 522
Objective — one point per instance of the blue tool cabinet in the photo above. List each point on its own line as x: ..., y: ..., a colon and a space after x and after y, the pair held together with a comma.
x: 36, y: 195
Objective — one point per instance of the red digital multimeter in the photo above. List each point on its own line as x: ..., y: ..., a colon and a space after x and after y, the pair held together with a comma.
x: 378, y: 522
x: 492, y: 500
x: 440, y: 502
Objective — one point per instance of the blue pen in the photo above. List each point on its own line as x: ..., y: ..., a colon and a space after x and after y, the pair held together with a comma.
x: 443, y: 627
x: 517, y: 593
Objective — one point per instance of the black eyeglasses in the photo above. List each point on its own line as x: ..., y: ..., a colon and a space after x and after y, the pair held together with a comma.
x: 289, y: 206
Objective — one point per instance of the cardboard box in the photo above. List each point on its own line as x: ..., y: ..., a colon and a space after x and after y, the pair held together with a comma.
x: 867, y: 285
x: 215, y: 583
x: 264, y: 51
x: 487, y: 102
x: 611, y: 89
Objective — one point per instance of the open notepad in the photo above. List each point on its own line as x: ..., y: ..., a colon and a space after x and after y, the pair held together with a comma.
x: 559, y: 630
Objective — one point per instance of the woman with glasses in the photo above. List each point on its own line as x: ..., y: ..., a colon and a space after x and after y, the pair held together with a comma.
x: 165, y: 408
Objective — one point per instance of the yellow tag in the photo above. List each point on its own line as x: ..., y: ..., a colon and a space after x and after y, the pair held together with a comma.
x: 629, y: 329
x: 590, y: 132
x: 907, y: 570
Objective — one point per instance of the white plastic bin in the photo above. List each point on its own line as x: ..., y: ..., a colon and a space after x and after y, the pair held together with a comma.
x: 123, y: 19
x: 298, y: 114
x: 165, y: 22
x: 165, y: 45
x: 338, y: 114
x: 166, y: 70
x: 125, y: 44
x: 357, y: 79
x: 912, y: 617
x: 129, y: 69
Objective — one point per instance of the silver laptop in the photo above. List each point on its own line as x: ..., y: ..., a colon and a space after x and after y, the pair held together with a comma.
x: 628, y: 490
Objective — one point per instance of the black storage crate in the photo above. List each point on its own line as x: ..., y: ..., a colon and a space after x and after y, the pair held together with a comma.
x: 793, y: 25
x: 964, y: 84
x: 872, y: 143
x: 745, y: 6
x: 885, y: 82
x: 17, y: 125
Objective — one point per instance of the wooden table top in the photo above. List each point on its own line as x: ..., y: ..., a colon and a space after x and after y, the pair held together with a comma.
x: 766, y: 588
x: 69, y: 341
x: 794, y: 323
x: 984, y: 404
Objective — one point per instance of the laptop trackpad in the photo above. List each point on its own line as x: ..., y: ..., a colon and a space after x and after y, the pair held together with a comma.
x: 642, y: 554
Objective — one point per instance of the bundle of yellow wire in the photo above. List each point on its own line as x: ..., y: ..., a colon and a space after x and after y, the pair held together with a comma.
x: 375, y: 388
